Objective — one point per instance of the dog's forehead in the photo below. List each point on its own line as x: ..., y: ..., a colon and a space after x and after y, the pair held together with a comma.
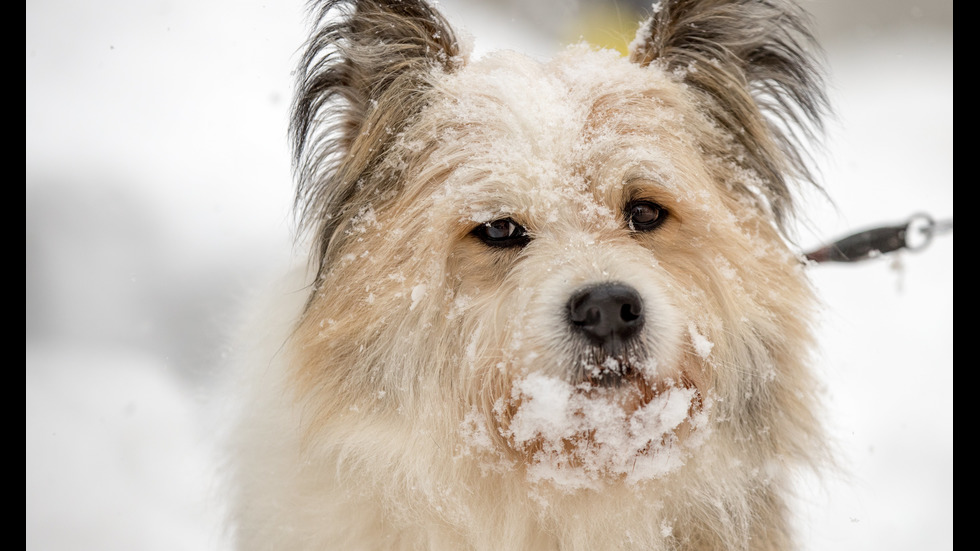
x: 519, y: 132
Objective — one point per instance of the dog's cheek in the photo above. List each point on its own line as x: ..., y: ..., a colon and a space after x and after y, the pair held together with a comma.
x: 474, y: 268
x: 748, y: 306
x: 364, y: 340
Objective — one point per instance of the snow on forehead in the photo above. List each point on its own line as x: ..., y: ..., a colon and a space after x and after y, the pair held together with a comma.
x: 513, y: 95
x: 524, y: 122
x: 555, y: 95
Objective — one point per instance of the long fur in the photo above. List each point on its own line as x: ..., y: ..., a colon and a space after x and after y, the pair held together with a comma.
x: 751, y: 61
x: 362, y: 78
x: 428, y: 390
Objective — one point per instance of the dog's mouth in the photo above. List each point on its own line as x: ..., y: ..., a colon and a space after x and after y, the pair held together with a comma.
x: 629, y: 380
x: 608, y: 371
x: 623, y: 369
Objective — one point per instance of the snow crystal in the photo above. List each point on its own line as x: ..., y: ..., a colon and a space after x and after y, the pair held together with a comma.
x: 366, y: 218
x: 638, y: 44
x: 726, y: 269
x: 701, y: 344
x: 418, y: 292
x: 474, y: 431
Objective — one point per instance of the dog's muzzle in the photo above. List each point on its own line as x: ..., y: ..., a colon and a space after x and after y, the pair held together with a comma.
x: 608, y: 316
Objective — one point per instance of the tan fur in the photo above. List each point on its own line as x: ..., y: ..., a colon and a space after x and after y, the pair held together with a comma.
x: 393, y: 414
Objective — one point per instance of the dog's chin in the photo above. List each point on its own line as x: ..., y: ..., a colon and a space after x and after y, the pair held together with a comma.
x: 615, y: 420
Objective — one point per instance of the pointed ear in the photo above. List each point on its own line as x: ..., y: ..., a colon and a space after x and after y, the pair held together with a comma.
x: 364, y: 73
x: 752, y: 64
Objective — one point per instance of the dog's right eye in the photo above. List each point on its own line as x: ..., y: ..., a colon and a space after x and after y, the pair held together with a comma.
x: 502, y: 233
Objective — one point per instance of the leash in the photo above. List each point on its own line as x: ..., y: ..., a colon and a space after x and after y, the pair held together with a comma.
x: 914, y: 234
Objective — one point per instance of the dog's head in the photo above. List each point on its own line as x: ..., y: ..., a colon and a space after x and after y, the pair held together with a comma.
x: 578, y: 267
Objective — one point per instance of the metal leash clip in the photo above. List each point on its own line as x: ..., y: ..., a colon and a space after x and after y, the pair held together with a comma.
x: 914, y: 235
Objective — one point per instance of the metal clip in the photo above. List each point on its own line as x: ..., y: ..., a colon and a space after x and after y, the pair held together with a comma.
x: 914, y: 235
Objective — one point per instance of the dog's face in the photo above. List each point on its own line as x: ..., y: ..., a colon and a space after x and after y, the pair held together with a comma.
x: 573, y: 268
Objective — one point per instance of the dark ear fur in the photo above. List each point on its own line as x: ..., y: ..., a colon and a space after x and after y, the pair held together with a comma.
x: 362, y: 76
x: 750, y: 62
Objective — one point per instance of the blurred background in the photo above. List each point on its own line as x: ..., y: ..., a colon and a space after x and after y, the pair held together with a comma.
x: 158, y: 196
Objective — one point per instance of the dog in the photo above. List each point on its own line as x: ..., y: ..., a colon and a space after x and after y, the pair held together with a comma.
x: 548, y: 305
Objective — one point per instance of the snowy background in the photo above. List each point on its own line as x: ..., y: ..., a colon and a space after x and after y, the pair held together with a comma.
x: 158, y: 193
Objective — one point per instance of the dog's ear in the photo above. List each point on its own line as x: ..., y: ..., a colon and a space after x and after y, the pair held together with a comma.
x: 363, y: 75
x: 753, y: 65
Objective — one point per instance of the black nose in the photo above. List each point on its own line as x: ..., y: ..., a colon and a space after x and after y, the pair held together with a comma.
x: 608, y: 315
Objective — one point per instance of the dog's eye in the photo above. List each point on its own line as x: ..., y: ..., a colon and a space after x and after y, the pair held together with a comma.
x: 502, y: 233
x: 644, y: 215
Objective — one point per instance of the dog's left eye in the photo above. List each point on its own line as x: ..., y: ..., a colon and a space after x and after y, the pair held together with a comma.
x: 502, y: 233
x: 644, y: 215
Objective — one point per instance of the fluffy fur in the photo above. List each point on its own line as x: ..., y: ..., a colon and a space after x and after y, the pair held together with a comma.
x: 447, y: 375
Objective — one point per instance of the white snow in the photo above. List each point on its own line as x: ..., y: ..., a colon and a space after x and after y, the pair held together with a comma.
x: 702, y: 346
x: 418, y: 293
x: 583, y: 435
x: 158, y: 189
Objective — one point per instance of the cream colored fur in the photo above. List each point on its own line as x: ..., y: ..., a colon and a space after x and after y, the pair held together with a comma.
x: 398, y: 393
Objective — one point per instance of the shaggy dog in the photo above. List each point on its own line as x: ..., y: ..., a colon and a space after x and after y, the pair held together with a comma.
x: 549, y: 305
